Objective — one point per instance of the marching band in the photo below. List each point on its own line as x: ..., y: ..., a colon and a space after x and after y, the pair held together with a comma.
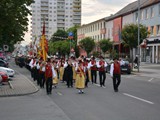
x: 74, y: 72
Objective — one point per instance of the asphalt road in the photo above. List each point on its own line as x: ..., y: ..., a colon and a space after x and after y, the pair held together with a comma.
x: 138, y: 99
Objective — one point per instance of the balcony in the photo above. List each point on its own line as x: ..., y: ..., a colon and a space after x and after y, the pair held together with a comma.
x: 76, y: 10
x: 77, y: 6
x: 76, y: 1
x: 60, y: 13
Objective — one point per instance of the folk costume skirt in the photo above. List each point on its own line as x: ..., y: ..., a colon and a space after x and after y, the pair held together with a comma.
x: 80, y: 81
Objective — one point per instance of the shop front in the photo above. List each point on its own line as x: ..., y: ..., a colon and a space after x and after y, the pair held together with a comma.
x: 151, y: 53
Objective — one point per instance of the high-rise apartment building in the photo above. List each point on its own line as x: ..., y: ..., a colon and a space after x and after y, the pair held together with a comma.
x: 57, y: 14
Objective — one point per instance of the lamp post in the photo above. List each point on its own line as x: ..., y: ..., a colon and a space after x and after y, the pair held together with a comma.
x: 138, y: 34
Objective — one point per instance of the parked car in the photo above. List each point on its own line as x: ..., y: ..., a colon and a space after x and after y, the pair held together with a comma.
x: 3, y: 77
x: 126, y: 67
x: 10, y: 72
x: 3, y: 63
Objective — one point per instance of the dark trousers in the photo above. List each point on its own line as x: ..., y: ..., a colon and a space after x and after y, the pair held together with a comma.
x: 37, y: 76
x: 42, y: 79
x: 70, y: 81
x: 94, y: 76
x: 116, y: 81
x: 32, y: 73
x: 102, y: 78
x: 49, y: 85
x: 87, y: 79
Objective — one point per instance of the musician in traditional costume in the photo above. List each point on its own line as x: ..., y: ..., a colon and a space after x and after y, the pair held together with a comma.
x: 93, y: 67
x: 80, y: 78
x: 42, y: 74
x: 102, y: 71
x: 32, y: 65
x: 61, y: 69
x: 55, y: 79
x: 50, y: 74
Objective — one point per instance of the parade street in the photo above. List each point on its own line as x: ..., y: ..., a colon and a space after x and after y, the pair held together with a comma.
x: 138, y: 99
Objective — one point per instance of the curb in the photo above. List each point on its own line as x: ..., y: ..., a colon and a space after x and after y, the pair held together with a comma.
x: 14, y: 95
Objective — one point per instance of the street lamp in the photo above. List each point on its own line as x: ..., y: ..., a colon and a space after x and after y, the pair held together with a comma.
x: 138, y: 34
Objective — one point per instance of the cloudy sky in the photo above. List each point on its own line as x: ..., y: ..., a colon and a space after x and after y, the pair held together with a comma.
x: 93, y: 10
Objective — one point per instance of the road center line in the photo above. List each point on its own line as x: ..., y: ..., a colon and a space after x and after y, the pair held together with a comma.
x: 138, y: 98
x: 150, y: 79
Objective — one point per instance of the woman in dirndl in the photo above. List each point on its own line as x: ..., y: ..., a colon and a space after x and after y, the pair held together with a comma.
x: 55, y: 79
x: 80, y: 77
x: 61, y: 70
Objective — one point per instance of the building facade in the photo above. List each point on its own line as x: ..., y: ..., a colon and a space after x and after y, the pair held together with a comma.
x: 57, y: 14
x: 95, y: 30
x: 149, y: 16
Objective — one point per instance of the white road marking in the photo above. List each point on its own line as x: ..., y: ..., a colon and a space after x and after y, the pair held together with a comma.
x: 138, y: 98
x: 150, y: 79
x: 59, y: 93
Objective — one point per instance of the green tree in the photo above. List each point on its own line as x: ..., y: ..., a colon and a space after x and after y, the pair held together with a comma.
x: 13, y: 20
x: 130, y: 36
x: 62, y: 47
x: 87, y: 44
x: 105, y: 45
x: 59, y: 35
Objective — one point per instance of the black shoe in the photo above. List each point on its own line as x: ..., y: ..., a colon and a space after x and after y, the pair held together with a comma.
x: 116, y: 90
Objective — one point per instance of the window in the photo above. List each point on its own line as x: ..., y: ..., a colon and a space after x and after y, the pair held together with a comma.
x: 152, y: 12
x: 147, y: 15
x: 152, y: 29
x: 159, y: 9
x: 158, y: 29
x: 142, y: 15
x: 136, y: 16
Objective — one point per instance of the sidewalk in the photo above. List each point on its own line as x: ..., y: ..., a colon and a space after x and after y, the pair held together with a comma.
x: 148, y: 69
x: 19, y: 85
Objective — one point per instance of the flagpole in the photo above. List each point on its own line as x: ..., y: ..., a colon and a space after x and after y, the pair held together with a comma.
x: 138, y: 34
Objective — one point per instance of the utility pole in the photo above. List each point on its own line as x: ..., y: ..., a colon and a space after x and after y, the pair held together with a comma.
x: 138, y: 34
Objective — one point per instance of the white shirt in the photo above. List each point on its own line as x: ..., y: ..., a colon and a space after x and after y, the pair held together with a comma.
x: 111, y: 69
x: 98, y: 65
x: 53, y: 73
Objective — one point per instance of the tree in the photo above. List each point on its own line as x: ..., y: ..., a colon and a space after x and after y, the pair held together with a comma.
x: 13, y: 20
x: 105, y: 45
x: 87, y: 44
x: 130, y: 35
x: 59, y: 35
x: 62, y: 47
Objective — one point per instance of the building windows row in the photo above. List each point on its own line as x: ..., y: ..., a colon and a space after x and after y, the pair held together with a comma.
x: 147, y: 13
x: 155, y: 30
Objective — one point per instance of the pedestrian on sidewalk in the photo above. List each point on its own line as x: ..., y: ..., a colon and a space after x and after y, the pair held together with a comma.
x: 136, y: 62
x: 115, y: 72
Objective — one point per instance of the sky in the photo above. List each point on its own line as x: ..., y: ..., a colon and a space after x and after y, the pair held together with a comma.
x: 93, y: 10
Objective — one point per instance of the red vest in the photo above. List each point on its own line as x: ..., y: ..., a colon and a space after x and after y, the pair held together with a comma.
x: 117, y: 69
x: 102, y: 68
x: 48, y: 72
x: 93, y: 67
